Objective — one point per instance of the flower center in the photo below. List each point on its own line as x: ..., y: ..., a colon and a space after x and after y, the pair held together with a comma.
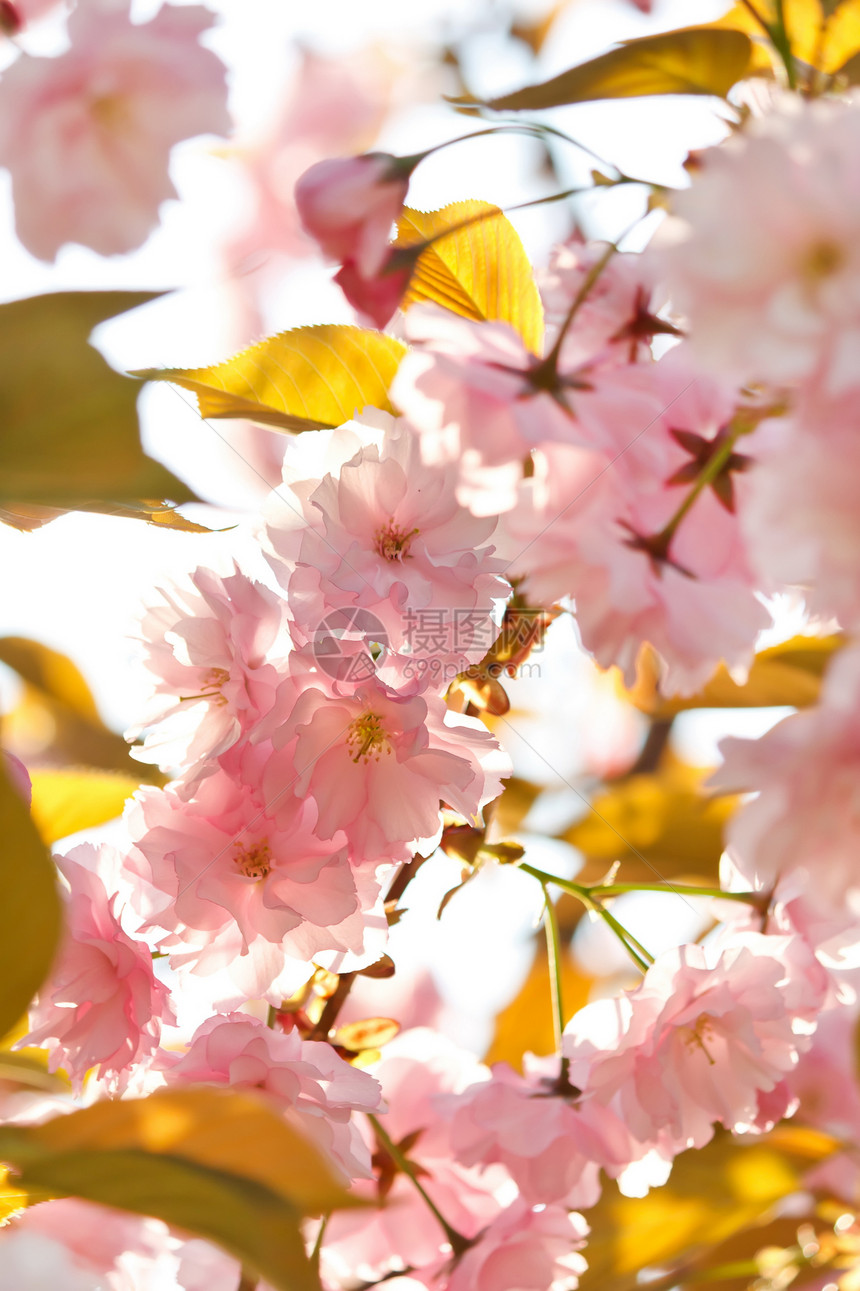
x: 367, y: 738
x: 392, y: 541
x: 255, y: 861
x: 695, y: 1037
x: 212, y: 687
x: 823, y: 259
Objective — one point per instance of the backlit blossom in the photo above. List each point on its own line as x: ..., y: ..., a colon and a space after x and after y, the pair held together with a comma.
x: 102, y: 1006
x: 553, y: 1147
x: 215, y: 646
x: 525, y: 1249
x: 704, y: 1033
x: 87, y: 136
x: 388, y: 536
x: 234, y: 890
x: 306, y: 1078
x: 417, y: 1072
x: 377, y: 764
x: 765, y: 254
x: 806, y: 769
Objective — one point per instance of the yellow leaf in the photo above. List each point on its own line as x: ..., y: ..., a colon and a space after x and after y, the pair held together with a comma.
x: 526, y: 1024
x: 51, y: 673
x: 659, y: 825
x: 480, y: 271
x: 69, y: 800
x: 70, y: 432
x: 217, y: 1163
x: 821, y: 41
x: 712, y: 1193
x: 30, y: 912
x: 57, y: 714
x: 694, y: 60
x: 13, y: 1198
x: 786, y: 674
x: 305, y: 379
x: 223, y: 1130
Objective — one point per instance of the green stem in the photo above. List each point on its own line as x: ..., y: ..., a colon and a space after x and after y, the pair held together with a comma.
x: 554, y: 954
x: 550, y: 363
x: 458, y: 1242
x: 315, y: 1253
x: 618, y: 889
x: 710, y: 472
x: 782, y: 45
x: 642, y: 958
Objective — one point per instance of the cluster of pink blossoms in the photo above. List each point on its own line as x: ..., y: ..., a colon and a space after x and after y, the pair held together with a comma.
x: 300, y: 709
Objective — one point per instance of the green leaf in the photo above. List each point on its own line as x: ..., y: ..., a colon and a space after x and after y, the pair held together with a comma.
x: 66, y: 801
x: 217, y: 1163
x: 480, y: 271
x: 694, y: 60
x: 309, y: 378
x: 69, y: 423
x: 30, y: 911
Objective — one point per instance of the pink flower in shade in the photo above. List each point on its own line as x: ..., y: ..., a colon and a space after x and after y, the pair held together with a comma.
x: 18, y: 775
x: 477, y: 397
x: 377, y: 764
x: 805, y: 819
x: 553, y: 1147
x: 525, y: 1249
x: 588, y: 526
x: 31, y: 1262
x: 417, y: 1072
x: 387, y: 534
x: 622, y: 312
x: 708, y: 1029
x: 102, y: 1006
x: 375, y: 297
x: 349, y: 204
x: 764, y: 255
x: 234, y: 890
x: 802, y: 517
x: 217, y: 647
x: 87, y: 136
x: 319, y: 1090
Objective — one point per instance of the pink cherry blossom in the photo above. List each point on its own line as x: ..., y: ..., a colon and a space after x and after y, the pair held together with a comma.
x: 802, y: 507
x: 765, y: 254
x: 319, y: 1090
x: 31, y: 1262
x: 525, y: 1249
x: 623, y: 310
x: 377, y: 764
x: 594, y: 527
x: 349, y: 204
x: 234, y: 891
x: 418, y: 1070
x: 478, y: 397
x: 216, y: 647
x: 108, y: 1243
x: 102, y: 1006
x: 87, y: 136
x: 552, y: 1146
x: 804, y: 819
x: 707, y: 1030
x: 387, y: 535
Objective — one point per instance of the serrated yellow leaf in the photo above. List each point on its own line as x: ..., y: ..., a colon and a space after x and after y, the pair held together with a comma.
x: 70, y: 800
x: 309, y: 378
x: 693, y: 60
x: 479, y: 271
x: 30, y: 912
